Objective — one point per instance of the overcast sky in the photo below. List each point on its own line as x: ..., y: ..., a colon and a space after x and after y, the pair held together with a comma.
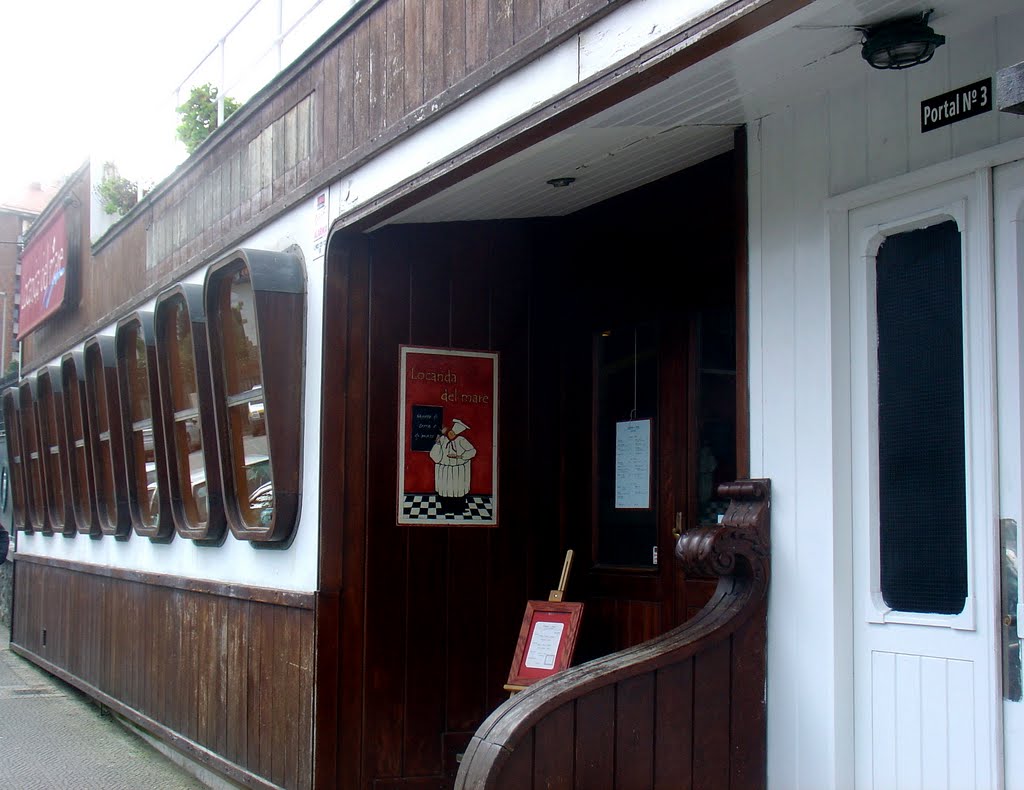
x: 97, y: 77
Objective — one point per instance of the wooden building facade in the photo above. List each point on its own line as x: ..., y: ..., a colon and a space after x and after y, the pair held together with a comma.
x: 670, y: 214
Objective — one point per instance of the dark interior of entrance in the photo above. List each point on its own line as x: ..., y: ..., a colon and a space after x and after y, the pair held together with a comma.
x: 624, y: 313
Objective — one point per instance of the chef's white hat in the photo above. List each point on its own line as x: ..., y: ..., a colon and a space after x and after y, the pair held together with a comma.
x: 458, y: 426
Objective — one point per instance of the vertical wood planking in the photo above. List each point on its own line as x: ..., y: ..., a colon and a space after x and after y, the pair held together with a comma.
x: 960, y: 693
x: 499, y: 29
x: 883, y: 735
x: 433, y: 47
x: 936, y: 145
x: 847, y: 130
x: 747, y: 708
x: 387, y: 545
x: 349, y: 286
x: 181, y: 658
x: 379, y: 77
x: 361, y: 85
x: 594, y: 744
x: 674, y: 722
x: 427, y: 615
x: 711, y: 746
x: 634, y: 733
x: 909, y: 724
x: 887, y: 130
x: 454, y: 41
x: 346, y: 83
x: 552, y: 761
x: 518, y: 773
x: 413, y: 53
x: 972, y: 56
x: 526, y: 18
x: 476, y: 34
x: 550, y: 9
x: 934, y: 715
x: 395, y: 101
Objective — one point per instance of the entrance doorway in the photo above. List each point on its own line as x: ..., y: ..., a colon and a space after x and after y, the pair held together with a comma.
x: 648, y: 360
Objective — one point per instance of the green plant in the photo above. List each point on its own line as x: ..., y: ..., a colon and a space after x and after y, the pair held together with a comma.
x: 199, y: 115
x: 119, y: 195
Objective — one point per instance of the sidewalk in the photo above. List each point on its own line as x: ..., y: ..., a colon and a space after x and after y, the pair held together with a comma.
x: 52, y: 736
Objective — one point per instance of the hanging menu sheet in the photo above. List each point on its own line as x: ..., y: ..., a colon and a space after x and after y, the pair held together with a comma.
x: 633, y: 465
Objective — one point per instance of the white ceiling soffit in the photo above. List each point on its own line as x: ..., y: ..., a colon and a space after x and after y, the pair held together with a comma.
x: 688, y: 118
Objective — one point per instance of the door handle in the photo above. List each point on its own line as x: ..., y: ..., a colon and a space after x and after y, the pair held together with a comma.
x: 677, y: 531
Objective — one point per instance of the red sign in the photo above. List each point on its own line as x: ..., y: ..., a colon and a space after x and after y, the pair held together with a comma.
x: 44, y: 273
x: 448, y: 437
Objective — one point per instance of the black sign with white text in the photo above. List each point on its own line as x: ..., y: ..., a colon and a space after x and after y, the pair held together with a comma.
x: 965, y: 102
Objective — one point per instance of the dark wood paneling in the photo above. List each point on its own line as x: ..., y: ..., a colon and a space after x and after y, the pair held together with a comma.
x: 688, y: 707
x: 212, y: 674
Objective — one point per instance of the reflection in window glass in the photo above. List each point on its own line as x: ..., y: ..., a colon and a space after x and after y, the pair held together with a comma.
x: 76, y: 445
x: 13, y: 422
x: 36, y: 502
x: 142, y: 477
x: 188, y: 440
x: 50, y: 444
x: 250, y: 449
x: 105, y: 452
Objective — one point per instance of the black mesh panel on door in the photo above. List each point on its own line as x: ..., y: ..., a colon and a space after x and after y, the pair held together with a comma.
x: 921, y: 456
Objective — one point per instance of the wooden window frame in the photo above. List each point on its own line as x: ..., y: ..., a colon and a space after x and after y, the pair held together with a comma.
x: 113, y: 516
x: 32, y: 452
x: 15, y: 461
x: 279, y: 304
x: 76, y: 409
x: 191, y: 297
x: 54, y: 445
x: 140, y: 324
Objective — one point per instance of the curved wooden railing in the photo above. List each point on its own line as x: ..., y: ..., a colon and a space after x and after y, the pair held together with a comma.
x: 683, y: 710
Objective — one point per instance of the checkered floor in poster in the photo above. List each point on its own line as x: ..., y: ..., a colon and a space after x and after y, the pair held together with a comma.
x: 427, y: 508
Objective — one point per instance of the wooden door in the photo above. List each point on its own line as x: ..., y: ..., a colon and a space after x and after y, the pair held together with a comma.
x: 649, y: 410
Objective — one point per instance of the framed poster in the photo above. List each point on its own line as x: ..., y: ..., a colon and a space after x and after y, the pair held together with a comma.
x: 447, y: 437
x: 547, y: 641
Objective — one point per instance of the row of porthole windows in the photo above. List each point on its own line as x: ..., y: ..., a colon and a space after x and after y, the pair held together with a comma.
x: 187, y: 421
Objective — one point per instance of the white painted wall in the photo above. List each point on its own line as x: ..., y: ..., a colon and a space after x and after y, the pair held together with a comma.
x: 293, y: 568
x: 860, y: 132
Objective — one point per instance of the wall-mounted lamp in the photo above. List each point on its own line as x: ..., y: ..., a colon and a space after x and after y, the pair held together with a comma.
x: 900, y: 43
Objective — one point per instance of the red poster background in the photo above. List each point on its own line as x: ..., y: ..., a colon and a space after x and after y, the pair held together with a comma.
x: 463, y: 386
x: 43, y: 274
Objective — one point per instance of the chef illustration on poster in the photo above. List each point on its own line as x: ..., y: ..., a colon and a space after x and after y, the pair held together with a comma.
x: 448, y: 437
x: 452, y: 455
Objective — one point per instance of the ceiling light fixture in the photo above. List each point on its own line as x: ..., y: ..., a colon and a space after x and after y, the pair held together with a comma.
x: 900, y: 43
x: 564, y: 181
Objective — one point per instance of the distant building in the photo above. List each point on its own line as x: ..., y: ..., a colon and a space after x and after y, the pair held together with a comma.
x: 17, y: 212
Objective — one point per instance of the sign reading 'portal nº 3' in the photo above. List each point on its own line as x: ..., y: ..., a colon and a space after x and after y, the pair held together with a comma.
x: 448, y: 437
x: 956, y: 105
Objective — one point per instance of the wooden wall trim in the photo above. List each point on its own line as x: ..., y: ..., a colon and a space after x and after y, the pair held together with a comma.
x: 742, y: 304
x: 244, y: 592
x: 709, y: 35
x: 187, y: 746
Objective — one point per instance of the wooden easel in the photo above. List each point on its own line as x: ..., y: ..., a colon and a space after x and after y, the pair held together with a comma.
x: 554, y: 596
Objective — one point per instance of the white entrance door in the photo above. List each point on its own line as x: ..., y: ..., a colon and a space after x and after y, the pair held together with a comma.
x: 1008, y: 192
x: 925, y: 518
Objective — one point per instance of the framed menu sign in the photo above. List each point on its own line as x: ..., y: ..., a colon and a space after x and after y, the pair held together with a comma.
x: 447, y: 437
x: 547, y: 641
